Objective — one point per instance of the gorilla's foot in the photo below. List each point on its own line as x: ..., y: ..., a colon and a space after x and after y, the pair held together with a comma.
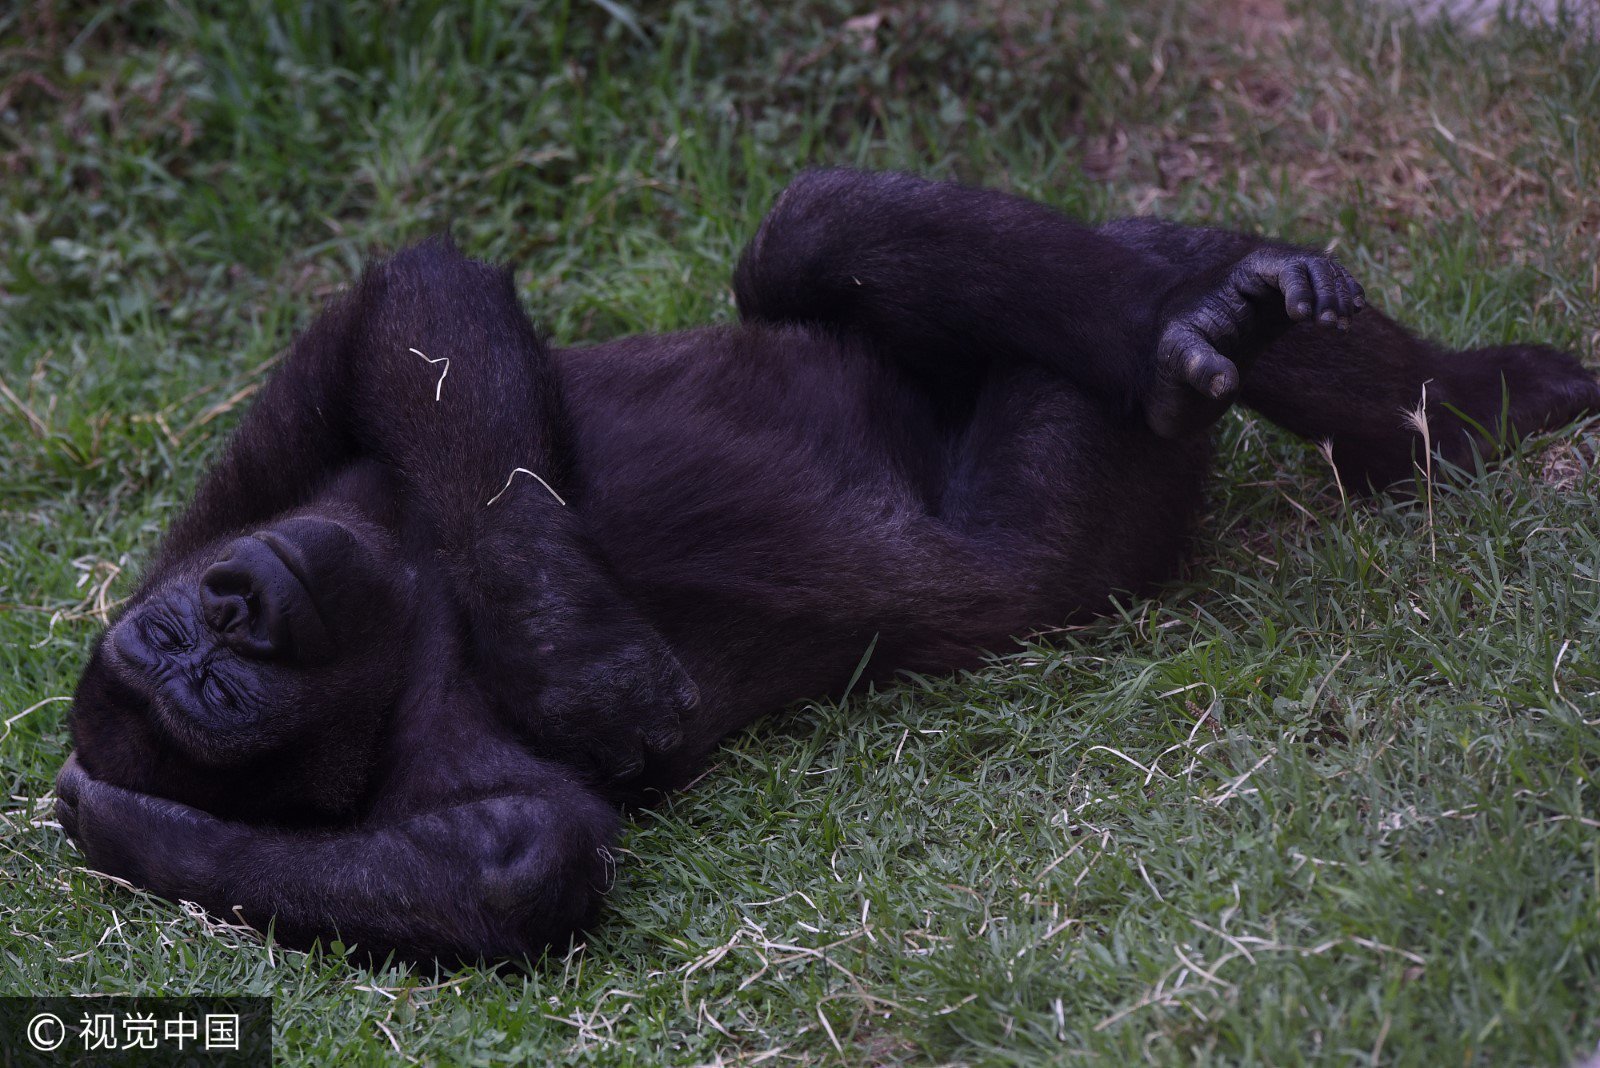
x: 1204, y: 348
x: 1491, y: 397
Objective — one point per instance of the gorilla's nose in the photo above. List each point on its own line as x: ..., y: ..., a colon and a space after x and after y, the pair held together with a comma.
x: 256, y: 603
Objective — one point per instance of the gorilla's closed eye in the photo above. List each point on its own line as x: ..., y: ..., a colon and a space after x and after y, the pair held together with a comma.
x: 215, y: 693
x: 164, y: 636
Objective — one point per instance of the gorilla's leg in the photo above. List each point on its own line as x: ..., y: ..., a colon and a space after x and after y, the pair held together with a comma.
x: 946, y: 279
x: 1072, y: 502
x: 1354, y: 388
x: 1355, y: 391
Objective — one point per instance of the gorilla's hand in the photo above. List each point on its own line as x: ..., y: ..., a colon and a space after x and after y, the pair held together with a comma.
x: 615, y: 705
x: 566, y: 655
x: 162, y: 846
x: 492, y: 878
x: 1215, y: 336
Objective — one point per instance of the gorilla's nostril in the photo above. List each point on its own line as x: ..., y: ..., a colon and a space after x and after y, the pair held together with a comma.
x: 227, y: 613
x: 257, y: 600
x: 225, y: 598
x: 247, y: 597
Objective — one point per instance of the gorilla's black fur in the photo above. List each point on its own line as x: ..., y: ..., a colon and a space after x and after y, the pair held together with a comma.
x: 381, y: 680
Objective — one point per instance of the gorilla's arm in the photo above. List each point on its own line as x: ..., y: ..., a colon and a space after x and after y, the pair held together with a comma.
x: 497, y: 877
x: 569, y: 655
x: 291, y: 441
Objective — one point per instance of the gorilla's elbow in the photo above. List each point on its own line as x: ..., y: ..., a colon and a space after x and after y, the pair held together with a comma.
x: 512, y: 878
x: 544, y: 873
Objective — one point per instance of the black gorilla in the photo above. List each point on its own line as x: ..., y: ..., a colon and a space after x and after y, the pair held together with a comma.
x: 451, y: 596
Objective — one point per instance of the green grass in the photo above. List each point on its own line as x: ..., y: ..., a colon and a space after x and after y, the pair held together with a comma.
x: 1331, y: 797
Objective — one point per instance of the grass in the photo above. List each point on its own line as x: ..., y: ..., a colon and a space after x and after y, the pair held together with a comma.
x: 1331, y: 797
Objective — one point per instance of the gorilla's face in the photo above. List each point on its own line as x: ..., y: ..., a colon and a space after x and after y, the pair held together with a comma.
x: 252, y: 679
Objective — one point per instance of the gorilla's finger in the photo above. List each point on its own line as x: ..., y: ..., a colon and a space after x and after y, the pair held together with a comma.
x: 70, y: 779
x: 1299, y: 296
x: 70, y: 783
x: 1325, y: 277
x: 663, y: 738
x: 619, y: 769
x: 1349, y: 291
x: 1344, y: 302
x: 1210, y: 372
x: 1220, y: 315
x: 1188, y: 357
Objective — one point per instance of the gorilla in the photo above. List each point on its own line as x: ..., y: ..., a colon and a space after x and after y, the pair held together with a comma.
x: 452, y: 598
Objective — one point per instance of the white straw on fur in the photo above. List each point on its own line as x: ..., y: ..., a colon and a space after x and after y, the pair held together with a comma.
x: 442, y: 359
x: 524, y: 471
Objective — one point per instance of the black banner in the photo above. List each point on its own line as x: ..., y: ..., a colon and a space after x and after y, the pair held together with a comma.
x: 133, y: 1031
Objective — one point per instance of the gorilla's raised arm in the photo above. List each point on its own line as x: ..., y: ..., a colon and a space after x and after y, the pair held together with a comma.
x: 367, y: 381
x: 293, y: 438
x: 430, y: 367
x: 574, y: 662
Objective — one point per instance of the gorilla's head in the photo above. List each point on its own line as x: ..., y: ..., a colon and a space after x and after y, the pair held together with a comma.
x: 252, y: 677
